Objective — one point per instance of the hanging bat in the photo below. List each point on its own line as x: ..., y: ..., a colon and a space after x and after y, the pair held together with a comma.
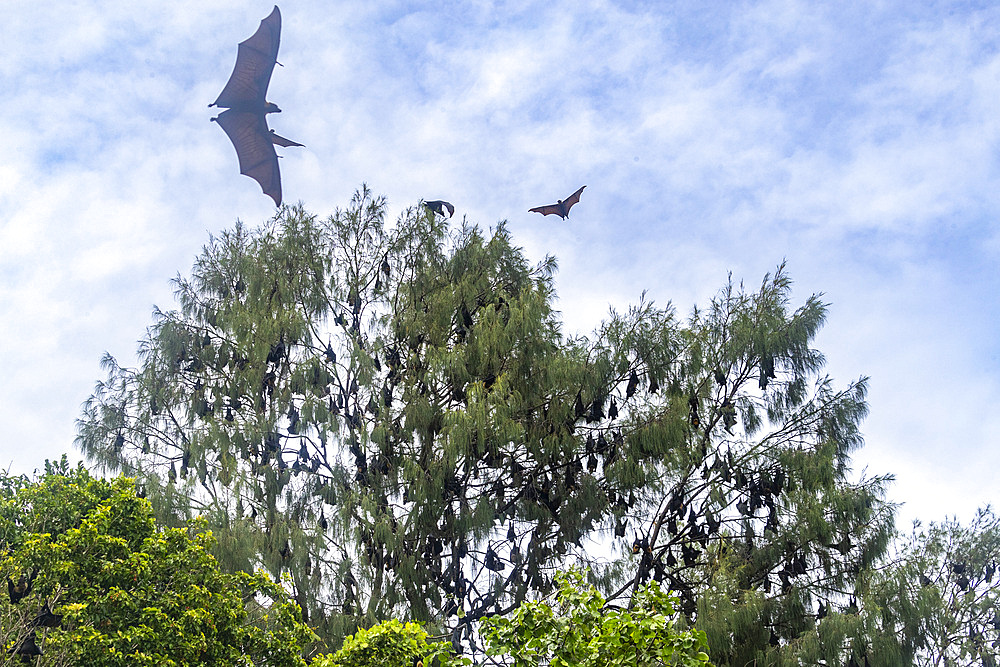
x: 561, y: 208
x: 28, y: 648
x: 18, y: 591
x: 493, y: 561
x: 633, y: 382
x: 45, y: 618
x: 439, y: 206
x: 641, y: 544
x: 245, y: 121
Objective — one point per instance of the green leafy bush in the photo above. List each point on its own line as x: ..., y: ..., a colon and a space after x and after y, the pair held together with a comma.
x: 130, y: 593
x: 390, y: 644
x: 580, y: 631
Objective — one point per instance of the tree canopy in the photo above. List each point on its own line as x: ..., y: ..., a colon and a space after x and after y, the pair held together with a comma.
x: 390, y: 644
x: 391, y: 416
x: 92, y: 581
x: 580, y: 630
x: 938, y: 603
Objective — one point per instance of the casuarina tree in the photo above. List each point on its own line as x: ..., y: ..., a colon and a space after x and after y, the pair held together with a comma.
x: 392, y: 416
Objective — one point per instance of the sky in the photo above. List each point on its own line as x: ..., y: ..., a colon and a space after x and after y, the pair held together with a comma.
x: 857, y: 142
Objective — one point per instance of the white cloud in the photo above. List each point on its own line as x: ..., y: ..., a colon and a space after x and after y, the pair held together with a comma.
x: 860, y: 143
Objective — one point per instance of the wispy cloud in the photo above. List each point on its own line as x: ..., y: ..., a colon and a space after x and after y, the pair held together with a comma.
x: 860, y: 143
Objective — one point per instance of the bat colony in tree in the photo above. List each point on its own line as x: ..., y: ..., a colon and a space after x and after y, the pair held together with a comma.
x: 27, y: 648
x: 245, y: 122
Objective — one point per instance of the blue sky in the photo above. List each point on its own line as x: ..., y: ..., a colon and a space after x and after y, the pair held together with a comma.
x: 859, y: 142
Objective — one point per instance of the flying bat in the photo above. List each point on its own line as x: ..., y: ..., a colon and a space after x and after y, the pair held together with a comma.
x: 561, y: 208
x: 245, y: 121
x: 439, y: 206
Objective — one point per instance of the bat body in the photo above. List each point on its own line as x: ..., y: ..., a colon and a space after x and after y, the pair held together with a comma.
x: 560, y: 208
x: 20, y: 590
x: 28, y: 648
x: 45, y: 618
x: 439, y: 207
x: 245, y: 120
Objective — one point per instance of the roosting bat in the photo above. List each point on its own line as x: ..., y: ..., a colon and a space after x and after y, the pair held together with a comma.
x: 439, y: 206
x: 45, y: 618
x: 18, y: 591
x: 561, y: 208
x: 28, y: 648
x: 245, y: 122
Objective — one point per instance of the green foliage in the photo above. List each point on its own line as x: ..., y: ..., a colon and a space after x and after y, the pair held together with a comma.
x: 580, y: 631
x: 356, y: 406
x: 739, y: 451
x: 129, y: 593
x: 935, y: 602
x: 391, y: 417
x: 939, y: 603
x: 391, y: 644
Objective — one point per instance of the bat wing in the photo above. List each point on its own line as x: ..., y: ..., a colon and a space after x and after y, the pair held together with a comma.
x: 281, y: 141
x: 255, y: 59
x: 572, y: 199
x: 551, y: 209
x: 254, y: 148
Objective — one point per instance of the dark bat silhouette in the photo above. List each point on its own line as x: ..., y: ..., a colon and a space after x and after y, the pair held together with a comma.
x: 633, y: 382
x: 28, y: 648
x: 561, y: 208
x: 245, y: 122
x: 493, y: 561
x: 439, y: 206
x: 45, y: 618
x: 18, y: 591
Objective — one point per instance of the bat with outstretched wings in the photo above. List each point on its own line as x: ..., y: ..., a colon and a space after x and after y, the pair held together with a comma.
x: 244, y: 98
x: 561, y: 208
x: 439, y: 207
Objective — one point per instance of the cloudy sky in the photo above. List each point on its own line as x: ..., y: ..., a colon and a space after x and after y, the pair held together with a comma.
x: 859, y: 142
